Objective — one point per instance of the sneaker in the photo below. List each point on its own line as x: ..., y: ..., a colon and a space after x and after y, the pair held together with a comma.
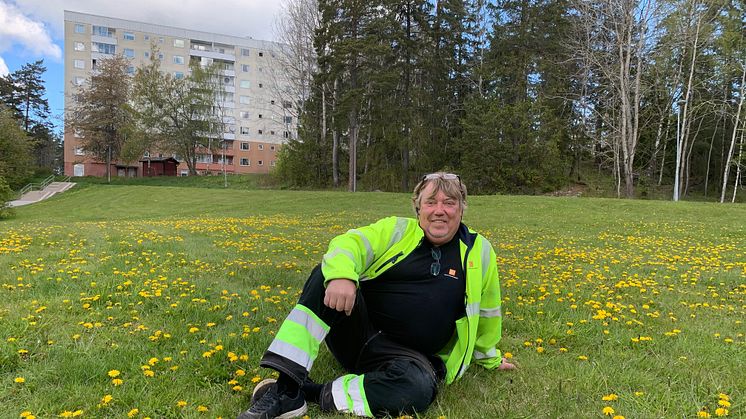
x: 266, y: 403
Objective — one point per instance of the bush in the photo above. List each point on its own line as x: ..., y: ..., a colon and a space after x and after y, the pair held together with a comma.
x: 6, y: 195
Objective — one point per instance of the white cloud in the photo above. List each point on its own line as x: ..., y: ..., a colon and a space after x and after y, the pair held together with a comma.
x: 18, y: 30
x: 254, y: 18
x: 3, y: 67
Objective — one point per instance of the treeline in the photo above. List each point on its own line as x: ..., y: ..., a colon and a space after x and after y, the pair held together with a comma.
x: 29, y: 145
x: 517, y: 95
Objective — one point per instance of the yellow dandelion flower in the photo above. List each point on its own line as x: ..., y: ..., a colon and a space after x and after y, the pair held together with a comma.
x: 202, y: 409
x: 153, y: 361
x: 703, y: 414
x: 610, y: 397
x: 540, y: 349
x: 639, y: 393
x: 583, y: 358
x: 132, y: 413
x: 26, y: 414
x: 181, y: 403
x: 148, y: 373
x: 106, y: 399
x: 721, y: 411
x: 608, y: 411
x: 618, y: 417
x: 19, y: 380
x: 117, y: 381
x: 724, y: 403
x: 237, y: 388
x: 723, y: 396
x: 256, y: 379
x: 193, y: 329
x: 114, y: 373
x: 240, y: 373
x: 508, y: 355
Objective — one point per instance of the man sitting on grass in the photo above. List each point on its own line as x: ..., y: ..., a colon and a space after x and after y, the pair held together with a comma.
x: 403, y: 304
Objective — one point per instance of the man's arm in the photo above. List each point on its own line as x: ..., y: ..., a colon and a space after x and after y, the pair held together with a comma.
x: 489, y: 330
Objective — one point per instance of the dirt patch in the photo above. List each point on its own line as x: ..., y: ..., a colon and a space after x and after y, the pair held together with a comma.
x: 576, y: 189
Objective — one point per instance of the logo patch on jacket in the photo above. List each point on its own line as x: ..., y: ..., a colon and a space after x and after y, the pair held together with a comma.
x: 451, y: 274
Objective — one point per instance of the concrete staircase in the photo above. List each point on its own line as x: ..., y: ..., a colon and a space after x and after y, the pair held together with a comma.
x: 32, y: 196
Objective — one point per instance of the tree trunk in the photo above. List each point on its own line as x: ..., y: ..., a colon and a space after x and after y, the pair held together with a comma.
x: 728, y: 156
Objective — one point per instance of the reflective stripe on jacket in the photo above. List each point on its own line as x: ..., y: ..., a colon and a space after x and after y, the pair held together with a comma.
x: 364, y: 253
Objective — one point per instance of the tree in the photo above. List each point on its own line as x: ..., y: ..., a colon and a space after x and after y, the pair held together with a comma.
x: 613, y: 44
x: 178, y: 115
x: 26, y: 94
x: 102, y: 114
x: 15, y: 149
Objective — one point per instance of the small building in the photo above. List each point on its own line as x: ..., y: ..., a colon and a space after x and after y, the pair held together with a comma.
x: 159, y: 166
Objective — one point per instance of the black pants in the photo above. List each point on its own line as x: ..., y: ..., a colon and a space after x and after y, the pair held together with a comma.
x: 395, y: 379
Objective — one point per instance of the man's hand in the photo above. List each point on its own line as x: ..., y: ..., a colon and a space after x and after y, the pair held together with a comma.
x: 505, y: 365
x: 340, y: 295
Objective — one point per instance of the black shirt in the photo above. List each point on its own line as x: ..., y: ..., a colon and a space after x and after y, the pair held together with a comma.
x: 414, y: 307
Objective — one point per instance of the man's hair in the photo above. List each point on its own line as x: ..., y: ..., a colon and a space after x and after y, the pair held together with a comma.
x: 449, y: 183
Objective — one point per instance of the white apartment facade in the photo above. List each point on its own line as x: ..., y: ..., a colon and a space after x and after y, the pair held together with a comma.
x: 257, y: 121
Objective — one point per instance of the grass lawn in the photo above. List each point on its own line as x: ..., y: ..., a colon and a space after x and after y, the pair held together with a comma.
x: 145, y: 301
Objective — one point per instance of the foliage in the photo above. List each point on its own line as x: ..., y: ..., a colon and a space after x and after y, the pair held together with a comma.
x: 24, y: 93
x: 6, y: 195
x: 15, y: 151
x: 177, y: 115
x: 102, y: 115
x: 194, y: 292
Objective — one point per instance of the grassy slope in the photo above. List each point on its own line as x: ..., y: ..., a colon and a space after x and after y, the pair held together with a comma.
x: 653, y: 267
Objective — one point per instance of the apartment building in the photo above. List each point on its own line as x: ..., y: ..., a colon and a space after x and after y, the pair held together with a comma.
x: 257, y: 121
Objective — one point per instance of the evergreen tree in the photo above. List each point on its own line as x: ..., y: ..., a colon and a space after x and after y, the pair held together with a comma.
x: 15, y: 151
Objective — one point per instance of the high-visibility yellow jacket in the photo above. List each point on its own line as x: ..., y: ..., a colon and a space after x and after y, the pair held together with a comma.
x: 364, y: 253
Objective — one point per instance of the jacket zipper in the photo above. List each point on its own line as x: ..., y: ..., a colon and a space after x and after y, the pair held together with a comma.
x: 392, y: 260
x: 468, y: 334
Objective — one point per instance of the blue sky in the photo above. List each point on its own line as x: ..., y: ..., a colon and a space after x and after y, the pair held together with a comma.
x: 33, y: 29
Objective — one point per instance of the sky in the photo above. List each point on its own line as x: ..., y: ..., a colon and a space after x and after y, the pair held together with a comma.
x: 34, y: 29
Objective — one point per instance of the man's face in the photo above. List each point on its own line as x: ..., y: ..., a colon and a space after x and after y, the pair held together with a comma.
x: 439, y: 215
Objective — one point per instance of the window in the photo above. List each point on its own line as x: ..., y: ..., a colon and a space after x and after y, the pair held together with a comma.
x: 286, y: 134
x: 178, y: 59
x: 245, y: 146
x: 79, y: 46
x: 245, y: 162
x: 260, y: 132
x: 272, y: 133
x: 261, y: 147
x: 288, y: 119
x: 160, y: 40
x: 178, y: 75
x: 244, y: 114
x: 272, y: 148
x: 244, y: 52
x: 79, y: 64
x: 78, y: 81
x: 160, y: 56
x: 131, y: 69
x: 147, y: 54
x: 146, y: 37
x: 129, y: 53
x: 260, y: 85
x: 79, y: 28
x: 244, y: 84
x: 128, y: 36
x: 244, y: 100
x: 103, y: 31
x: 272, y: 163
x: 261, y: 54
x: 260, y: 163
x: 260, y: 116
x: 79, y: 151
x: 287, y: 104
x: 245, y: 130
x: 179, y: 43
x: 245, y: 68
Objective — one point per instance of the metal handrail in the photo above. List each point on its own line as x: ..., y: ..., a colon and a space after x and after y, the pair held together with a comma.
x: 36, y: 186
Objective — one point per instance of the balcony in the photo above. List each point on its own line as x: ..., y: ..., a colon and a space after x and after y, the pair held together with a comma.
x: 194, y: 52
x: 229, y: 136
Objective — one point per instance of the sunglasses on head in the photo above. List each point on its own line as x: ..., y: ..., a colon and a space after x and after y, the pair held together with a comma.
x: 445, y: 176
